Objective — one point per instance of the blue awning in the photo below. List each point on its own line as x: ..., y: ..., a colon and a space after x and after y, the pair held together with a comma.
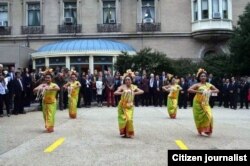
x: 84, y: 46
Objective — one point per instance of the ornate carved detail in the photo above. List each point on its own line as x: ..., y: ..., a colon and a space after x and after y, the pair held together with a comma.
x: 109, y: 27
x: 70, y: 28
x: 5, y: 30
x: 32, y: 29
x: 148, y: 27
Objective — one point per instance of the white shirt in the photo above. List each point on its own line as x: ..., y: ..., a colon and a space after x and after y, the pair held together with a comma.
x: 151, y: 82
x: 21, y: 84
x: 99, y: 87
x: 7, y: 80
x: 2, y: 89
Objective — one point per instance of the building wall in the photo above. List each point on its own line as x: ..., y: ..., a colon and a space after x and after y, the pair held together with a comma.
x: 174, y: 39
x: 238, y: 8
x: 15, y: 54
x: 175, y: 16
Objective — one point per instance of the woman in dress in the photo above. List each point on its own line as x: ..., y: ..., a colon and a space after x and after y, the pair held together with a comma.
x: 172, y: 102
x: 126, y: 105
x: 73, y: 87
x: 202, y: 111
x: 48, y: 93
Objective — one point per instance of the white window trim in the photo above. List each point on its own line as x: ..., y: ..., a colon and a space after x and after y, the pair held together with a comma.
x: 9, y: 11
x: 25, y: 10
x: 156, y: 7
x: 78, y: 11
x: 210, y: 8
x: 117, y: 11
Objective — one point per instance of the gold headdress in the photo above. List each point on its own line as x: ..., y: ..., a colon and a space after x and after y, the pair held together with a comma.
x: 169, y: 76
x: 73, y: 72
x: 129, y: 73
x: 47, y: 71
x: 200, y: 71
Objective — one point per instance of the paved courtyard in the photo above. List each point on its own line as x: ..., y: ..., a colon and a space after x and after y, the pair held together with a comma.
x: 93, y: 138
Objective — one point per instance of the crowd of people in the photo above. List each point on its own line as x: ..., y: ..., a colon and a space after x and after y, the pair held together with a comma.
x: 19, y: 88
x: 99, y: 87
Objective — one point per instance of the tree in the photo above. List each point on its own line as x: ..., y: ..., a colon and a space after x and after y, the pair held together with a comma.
x: 145, y: 59
x: 123, y: 62
x: 217, y: 64
x: 185, y: 66
x: 240, y: 44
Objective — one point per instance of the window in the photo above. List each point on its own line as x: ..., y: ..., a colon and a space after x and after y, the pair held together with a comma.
x: 204, y: 8
x: 34, y: 14
x: 216, y: 9
x: 225, y: 9
x: 109, y: 16
x: 148, y: 11
x: 57, y: 61
x: 3, y: 15
x: 103, y: 59
x: 70, y: 13
x: 195, y: 8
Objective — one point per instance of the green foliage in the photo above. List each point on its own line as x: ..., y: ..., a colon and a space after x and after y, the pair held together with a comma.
x: 156, y: 62
x: 185, y: 66
x: 240, y: 44
x: 146, y: 59
x: 217, y: 64
x: 123, y: 62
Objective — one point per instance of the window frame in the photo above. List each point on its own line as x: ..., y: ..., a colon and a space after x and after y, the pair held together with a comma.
x: 145, y: 6
x: 7, y: 10
x: 75, y: 21
x: 195, y: 10
x: 202, y: 10
x: 27, y: 12
x: 114, y: 11
x: 227, y: 9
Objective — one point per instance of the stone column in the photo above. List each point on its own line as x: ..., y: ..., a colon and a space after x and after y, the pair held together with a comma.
x: 33, y: 64
x: 67, y: 62
x: 46, y: 62
x: 91, y: 64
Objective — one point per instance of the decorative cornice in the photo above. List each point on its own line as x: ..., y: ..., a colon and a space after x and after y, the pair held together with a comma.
x: 116, y: 35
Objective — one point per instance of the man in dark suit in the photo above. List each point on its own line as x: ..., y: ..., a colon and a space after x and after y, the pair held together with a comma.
x: 86, y: 89
x: 151, y: 89
x: 158, y: 91
x: 226, y: 93
x: 213, y: 96
x: 137, y: 82
x: 220, y: 86
x: 18, y: 92
x: 11, y: 75
x: 233, y: 91
x: 145, y: 87
x: 244, y: 86
x: 183, y: 94
x: 27, y: 87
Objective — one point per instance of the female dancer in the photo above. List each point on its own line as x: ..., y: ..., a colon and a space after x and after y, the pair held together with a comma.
x: 202, y: 112
x: 73, y: 88
x: 172, y: 102
x: 48, y: 92
x: 126, y: 106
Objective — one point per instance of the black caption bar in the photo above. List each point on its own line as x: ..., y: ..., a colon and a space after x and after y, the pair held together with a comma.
x: 208, y: 157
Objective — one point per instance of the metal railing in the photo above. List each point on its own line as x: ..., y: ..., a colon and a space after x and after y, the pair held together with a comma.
x: 32, y: 29
x: 148, y: 27
x: 5, y: 30
x: 77, y: 28
x: 109, y: 27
